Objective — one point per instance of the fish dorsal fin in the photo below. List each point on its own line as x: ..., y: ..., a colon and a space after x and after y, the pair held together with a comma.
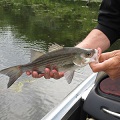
x: 55, y: 47
x: 35, y: 54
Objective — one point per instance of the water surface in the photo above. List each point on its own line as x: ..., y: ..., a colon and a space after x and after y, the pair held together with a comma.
x: 27, y: 98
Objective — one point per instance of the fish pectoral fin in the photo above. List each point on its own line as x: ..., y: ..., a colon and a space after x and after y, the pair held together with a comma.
x: 69, y: 76
x: 55, y: 47
x: 35, y: 54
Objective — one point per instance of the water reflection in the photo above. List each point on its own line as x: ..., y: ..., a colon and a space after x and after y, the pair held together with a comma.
x: 28, y: 98
x: 45, y: 27
x: 42, y: 28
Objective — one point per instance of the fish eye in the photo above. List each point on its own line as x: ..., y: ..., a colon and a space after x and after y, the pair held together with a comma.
x: 88, y: 54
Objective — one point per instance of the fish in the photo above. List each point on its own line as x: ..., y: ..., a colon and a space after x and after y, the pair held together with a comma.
x: 66, y: 59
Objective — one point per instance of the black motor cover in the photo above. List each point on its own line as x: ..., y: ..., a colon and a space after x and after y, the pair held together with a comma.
x: 103, y: 102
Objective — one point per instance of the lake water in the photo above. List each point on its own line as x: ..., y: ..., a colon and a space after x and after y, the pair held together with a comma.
x: 29, y: 98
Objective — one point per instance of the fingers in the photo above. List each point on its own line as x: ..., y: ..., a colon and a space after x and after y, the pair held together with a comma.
x: 97, y: 67
x: 56, y: 74
x: 53, y: 74
x: 105, y: 61
x: 47, y: 74
x: 28, y: 73
x: 106, y: 56
x: 34, y: 74
x: 109, y: 63
x: 99, y: 51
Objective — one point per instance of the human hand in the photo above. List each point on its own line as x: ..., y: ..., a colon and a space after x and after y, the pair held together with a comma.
x: 108, y: 62
x: 47, y: 74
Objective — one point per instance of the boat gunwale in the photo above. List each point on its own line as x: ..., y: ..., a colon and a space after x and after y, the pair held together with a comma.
x: 62, y: 109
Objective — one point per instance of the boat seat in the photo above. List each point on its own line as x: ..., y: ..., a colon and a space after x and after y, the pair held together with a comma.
x: 103, y: 101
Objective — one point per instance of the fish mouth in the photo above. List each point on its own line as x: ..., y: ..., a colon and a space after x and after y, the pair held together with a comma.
x: 95, y: 57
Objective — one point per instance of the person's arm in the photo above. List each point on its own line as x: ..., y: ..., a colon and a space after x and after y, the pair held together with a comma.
x: 108, y: 28
x: 95, y: 39
x: 109, y: 24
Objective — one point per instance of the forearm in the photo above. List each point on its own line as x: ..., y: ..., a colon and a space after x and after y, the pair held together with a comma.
x: 95, y: 39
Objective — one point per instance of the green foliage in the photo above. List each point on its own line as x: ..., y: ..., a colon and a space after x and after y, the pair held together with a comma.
x: 60, y: 21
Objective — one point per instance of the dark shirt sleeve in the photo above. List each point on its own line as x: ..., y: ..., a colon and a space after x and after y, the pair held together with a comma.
x: 109, y: 19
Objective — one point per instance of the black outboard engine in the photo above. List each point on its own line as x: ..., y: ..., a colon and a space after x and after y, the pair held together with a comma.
x: 103, y: 102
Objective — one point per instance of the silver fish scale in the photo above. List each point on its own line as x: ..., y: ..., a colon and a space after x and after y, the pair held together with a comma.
x: 60, y: 58
x: 59, y: 61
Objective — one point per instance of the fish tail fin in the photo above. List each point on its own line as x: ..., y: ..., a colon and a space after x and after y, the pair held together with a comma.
x: 13, y: 72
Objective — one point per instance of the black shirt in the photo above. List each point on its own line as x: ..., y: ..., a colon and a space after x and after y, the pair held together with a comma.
x: 109, y: 19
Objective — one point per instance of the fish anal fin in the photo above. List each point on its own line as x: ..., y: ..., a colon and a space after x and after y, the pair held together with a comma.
x: 69, y: 76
